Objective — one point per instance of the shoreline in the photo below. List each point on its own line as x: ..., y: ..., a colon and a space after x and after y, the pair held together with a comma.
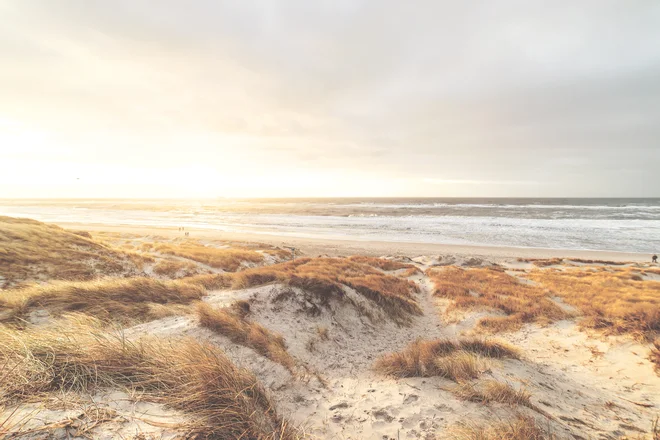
x: 337, y: 247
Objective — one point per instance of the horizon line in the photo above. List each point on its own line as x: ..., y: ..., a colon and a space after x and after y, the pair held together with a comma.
x: 326, y: 198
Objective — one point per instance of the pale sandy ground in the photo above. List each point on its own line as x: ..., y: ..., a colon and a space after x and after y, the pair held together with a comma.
x: 332, y: 247
x: 587, y: 386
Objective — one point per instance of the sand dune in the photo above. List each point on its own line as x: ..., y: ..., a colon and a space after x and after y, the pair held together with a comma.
x: 567, y: 381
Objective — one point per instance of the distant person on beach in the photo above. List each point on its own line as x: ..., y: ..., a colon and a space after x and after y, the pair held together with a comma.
x: 654, y: 259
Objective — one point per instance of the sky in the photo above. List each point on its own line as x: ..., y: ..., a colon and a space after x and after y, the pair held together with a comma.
x: 212, y: 98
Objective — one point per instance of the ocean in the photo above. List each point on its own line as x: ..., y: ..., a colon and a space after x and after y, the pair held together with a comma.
x: 629, y: 225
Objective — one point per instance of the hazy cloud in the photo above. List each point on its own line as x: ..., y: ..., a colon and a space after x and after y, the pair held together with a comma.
x: 517, y: 97
x: 481, y: 182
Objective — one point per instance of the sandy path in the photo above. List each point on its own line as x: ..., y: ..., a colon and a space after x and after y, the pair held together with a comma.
x: 361, y: 404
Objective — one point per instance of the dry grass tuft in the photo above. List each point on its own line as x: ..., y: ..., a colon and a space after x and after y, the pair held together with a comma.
x: 240, y: 307
x: 493, y: 391
x: 82, y: 234
x: 520, y: 428
x: 456, y: 360
x: 121, y: 300
x: 500, y: 324
x: 606, y: 262
x: 146, y: 247
x: 410, y: 272
x: 543, y: 262
x: 174, y: 269
x: 222, y: 401
x: 280, y: 254
x: 231, y: 324
x: 491, y: 348
x: 492, y: 288
x: 229, y: 259
x: 140, y: 260
x: 381, y: 263
x: 458, y: 366
x: 31, y: 250
x: 211, y: 281
x: 327, y: 276
x: 160, y: 311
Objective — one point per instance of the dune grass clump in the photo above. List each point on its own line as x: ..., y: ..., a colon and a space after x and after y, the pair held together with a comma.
x: 492, y: 391
x: 459, y: 366
x: 146, y: 247
x: 228, y: 259
x: 231, y: 322
x: 606, y: 262
x: 222, y: 401
x: 650, y: 270
x: 548, y: 262
x: 545, y: 262
x: 174, y: 269
x: 31, y: 250
x: 380, y: 263
x: 542, y: 262
x: 327, y: 276
x: 493, y: 288
x: 613, y: 300
x: 280, y: 254
x: 410, y: 272
x: 120, y: 299
x: 491, y: 348
x: 216, y: 281
x: 453, y: 359
x: 520, y: 428
x: 140, y: 260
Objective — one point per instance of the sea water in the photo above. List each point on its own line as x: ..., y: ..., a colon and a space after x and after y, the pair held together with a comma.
x: 631, y: 225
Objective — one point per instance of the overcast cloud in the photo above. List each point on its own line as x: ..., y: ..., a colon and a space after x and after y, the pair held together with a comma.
x: 419, y: 98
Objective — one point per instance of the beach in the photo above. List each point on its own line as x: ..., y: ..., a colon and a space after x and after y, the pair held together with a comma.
x: 339, y: 247
x: 385, y: 226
